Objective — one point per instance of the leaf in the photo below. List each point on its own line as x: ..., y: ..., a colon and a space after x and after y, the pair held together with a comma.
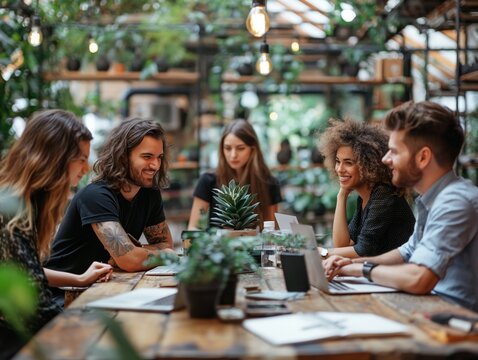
x: 18, y: 295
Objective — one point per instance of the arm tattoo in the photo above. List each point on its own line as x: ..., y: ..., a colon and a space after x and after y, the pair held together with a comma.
x: 158, y: 234
x: 113, y: 237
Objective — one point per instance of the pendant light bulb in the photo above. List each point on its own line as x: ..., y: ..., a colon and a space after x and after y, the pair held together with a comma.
x: 35, y: 37
x: 264, y: 63
x: 92, y: 45
x: 258, y: 22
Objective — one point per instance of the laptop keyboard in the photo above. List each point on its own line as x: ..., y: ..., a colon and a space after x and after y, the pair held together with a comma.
x: 164, y: 270
x: 336, y: 285
x: 167, y: 300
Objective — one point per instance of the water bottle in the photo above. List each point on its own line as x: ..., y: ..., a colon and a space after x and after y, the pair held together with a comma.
x: 268, y: 251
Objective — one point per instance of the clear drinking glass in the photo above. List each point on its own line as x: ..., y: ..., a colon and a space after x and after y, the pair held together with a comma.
x: 268, y: 249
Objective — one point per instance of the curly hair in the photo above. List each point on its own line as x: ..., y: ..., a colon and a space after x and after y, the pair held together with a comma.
x: 113, y: 165
x: 36, y: 169
x: 369, y: 144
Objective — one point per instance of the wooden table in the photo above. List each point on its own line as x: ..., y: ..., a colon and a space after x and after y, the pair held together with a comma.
x: 79, y: 333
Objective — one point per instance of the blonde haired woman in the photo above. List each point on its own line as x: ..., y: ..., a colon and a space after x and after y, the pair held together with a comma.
x: 35, y: 179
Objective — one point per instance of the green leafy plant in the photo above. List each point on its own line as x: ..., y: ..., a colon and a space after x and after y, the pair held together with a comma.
x: 213, y: 256
x: 235, y: 207
x: 164, y: 258
x: 18, y: 300
x: 290, y: 243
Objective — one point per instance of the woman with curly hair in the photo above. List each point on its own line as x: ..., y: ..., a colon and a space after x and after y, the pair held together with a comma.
x: 240, y: 158
x: 383, y: 219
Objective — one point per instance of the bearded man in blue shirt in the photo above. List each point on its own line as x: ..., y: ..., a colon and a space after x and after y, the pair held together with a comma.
x: 440, y: 256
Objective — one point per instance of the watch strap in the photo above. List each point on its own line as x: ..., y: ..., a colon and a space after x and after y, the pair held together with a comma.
x: 367, y: 269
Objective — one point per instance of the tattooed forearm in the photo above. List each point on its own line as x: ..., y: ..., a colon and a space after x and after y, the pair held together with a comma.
x: 158, y: 234
x: 114, y: 238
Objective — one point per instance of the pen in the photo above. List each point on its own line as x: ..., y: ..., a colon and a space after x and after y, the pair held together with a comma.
x: 455, y: 321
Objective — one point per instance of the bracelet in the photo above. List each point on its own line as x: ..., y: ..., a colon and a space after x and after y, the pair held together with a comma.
x: 367, y: 269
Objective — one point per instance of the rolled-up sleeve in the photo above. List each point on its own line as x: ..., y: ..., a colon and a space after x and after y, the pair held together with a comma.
x: 447, y: 232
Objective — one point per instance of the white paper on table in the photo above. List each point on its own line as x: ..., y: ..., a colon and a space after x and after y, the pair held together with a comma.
x: 304, y: 327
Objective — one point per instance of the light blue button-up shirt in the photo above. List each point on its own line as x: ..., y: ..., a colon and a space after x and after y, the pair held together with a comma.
x: 445, y: 238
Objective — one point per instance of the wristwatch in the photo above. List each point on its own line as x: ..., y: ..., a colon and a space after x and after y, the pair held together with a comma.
x: 324, y: 252
x: 367, y: 270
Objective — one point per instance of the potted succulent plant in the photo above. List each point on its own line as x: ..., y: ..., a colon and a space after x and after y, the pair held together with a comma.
x: 235, y: 209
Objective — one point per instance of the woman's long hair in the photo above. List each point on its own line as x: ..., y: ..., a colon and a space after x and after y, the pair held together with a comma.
x: 113, y: 166
x: 255, y: 173
x: 36, y: 169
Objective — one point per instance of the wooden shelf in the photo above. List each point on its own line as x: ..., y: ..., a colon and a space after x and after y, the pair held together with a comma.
x: 320, y: 80
x: 471, y: 76
x: 169, y: 77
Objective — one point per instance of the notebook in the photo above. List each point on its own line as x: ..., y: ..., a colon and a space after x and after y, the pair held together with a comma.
x: 341, y: 285
x: 304, y: 327
x: 163, y: 270
x: 144, y: 299
x: 284, y: 221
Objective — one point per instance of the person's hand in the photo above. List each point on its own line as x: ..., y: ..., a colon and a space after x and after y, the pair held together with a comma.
x: 344, y: 193
x: 333, y: 264
x: 96, y: 272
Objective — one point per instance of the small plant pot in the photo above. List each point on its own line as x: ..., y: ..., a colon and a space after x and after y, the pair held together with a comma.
x: 228, y: 295
x: 137, y: 64
x: 118, y: 68
x: 295, y: 272
x: 201, y: 300
x: 73, y: 63
x: 103, y: 64
x: 162, y: 64
x: 245, y: 69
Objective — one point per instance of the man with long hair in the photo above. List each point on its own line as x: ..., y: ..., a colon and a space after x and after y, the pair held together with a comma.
x: 440, y: 256
x: 106, y: 217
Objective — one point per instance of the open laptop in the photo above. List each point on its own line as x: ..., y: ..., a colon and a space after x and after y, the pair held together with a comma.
x: 163, y: 270
x: 144, y: 299
x: 340, y: 285
x: 284, y: 221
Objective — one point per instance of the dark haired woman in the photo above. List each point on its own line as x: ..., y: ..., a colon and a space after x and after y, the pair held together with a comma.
x: 383, y: 219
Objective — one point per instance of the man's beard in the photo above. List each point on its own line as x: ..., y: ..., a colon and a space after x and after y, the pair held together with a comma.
x: 137, y: 181
x: 408, y: 177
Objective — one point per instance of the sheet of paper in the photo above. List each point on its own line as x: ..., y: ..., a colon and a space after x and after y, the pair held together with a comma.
x: 304, y: 327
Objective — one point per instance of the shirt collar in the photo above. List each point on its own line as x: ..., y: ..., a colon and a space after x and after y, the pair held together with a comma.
x: 428, y: 198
